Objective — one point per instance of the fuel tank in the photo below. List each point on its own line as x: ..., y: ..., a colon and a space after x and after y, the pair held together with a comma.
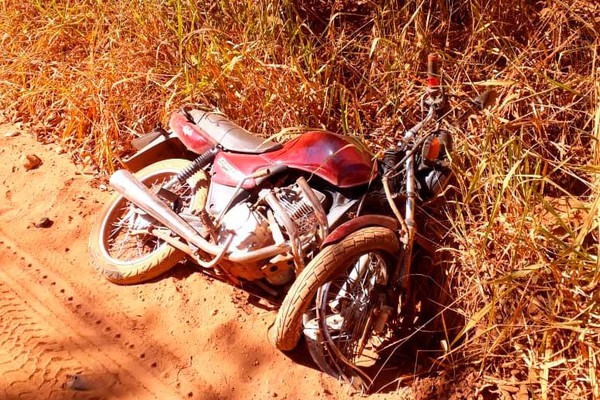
x: 337, y: 159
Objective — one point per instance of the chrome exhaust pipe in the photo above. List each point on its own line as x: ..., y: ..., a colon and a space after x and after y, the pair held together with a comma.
x: 135, y: 191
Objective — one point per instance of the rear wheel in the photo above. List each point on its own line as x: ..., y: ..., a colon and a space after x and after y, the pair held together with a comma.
x: 119, y: 244
x: 340, y: 302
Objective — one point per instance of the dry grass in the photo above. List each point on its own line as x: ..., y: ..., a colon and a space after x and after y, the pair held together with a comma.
x: 524, y: 225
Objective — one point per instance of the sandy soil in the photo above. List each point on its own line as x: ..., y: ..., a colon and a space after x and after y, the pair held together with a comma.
x: 65, y: 332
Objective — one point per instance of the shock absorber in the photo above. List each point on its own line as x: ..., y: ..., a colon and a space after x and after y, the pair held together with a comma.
x: 189, y: 171
x: 203, y: 160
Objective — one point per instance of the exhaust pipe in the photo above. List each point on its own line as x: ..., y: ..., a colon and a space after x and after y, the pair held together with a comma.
x: 135, y: 191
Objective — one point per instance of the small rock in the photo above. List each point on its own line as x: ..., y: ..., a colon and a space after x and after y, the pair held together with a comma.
x: 44, y: 223
x: 76, y: 382
x: 103, y: 187
x: 30, y: 161
x: 12, y: 133
x: 214, y: 312
x: 90, y: 170
x: 59, y: 150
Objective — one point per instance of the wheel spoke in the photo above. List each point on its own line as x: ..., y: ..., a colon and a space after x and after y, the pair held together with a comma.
x: 351, y: 296
x: 120, y: 243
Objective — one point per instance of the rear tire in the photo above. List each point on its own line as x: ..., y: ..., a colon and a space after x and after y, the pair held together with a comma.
x: 331, y: 261
x: 140, y: 257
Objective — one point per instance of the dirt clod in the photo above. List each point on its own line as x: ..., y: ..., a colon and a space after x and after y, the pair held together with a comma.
x: 44, y: 223
x: 30, y: 161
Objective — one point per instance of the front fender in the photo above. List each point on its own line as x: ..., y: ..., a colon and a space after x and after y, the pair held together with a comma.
x: 358, y: 223
x: 155, y: 146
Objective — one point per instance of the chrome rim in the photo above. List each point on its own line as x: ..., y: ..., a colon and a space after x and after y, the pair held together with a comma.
x: 339, y: 330
x: 123, y: 238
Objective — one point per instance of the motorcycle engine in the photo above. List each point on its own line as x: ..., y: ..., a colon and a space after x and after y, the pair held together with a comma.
x: 258, y: 225
x: 251, y: 229
x: 298, y: 207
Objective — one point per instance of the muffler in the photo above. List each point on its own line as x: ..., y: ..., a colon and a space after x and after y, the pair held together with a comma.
x: 135, y: 191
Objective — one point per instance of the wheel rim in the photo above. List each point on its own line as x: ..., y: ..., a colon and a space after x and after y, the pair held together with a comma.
x: 342, y: 337
x: 118, y: 243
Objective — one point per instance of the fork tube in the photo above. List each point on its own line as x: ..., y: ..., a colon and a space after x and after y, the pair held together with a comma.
x: 409, y: 217
x: 409, y: 212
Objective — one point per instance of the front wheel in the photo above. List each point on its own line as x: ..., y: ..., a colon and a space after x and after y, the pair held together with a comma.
x: 119, y: 244
x: 340, y: 302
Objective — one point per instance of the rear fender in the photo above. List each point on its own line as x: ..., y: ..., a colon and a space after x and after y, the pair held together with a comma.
x: 358, y: 223
x: 155, y: 146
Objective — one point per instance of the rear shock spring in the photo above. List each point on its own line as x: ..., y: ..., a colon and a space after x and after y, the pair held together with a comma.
x: 203, y: 160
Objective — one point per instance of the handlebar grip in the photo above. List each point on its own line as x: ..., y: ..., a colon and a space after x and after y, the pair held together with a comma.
x: 433, y: 70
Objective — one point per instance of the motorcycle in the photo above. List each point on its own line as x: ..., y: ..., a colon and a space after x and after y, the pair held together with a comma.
x: 316, y: 221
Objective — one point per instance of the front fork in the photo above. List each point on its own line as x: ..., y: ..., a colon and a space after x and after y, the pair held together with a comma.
x: 409, y: 217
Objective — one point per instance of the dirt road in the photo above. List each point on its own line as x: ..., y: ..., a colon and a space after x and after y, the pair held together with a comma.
x: 65, y: 332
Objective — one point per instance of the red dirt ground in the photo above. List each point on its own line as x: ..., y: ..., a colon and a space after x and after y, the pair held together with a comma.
x: 63, y: 327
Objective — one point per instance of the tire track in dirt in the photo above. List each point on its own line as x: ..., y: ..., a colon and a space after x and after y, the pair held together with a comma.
x: 43, y: 344
x: 28, y: 345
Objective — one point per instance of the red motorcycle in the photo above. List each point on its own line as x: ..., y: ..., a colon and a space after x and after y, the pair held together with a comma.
x: 316, y: 221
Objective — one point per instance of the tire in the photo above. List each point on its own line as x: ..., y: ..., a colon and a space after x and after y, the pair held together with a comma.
x: 152, y: 256
x: 331, y: 261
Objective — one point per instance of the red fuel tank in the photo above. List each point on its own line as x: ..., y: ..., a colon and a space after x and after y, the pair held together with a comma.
x: 337, y: 159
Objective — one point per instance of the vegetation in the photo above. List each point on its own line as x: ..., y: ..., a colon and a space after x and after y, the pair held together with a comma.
x: 522, y: 217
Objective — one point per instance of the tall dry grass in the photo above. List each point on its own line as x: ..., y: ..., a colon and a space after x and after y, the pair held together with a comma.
x: 522, y: 217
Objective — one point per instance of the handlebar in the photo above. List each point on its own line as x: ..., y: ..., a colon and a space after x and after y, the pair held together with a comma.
x: 433, y: 70
x: 435, y: 90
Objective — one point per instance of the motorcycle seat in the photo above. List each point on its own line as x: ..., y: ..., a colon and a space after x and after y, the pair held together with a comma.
x: 230, y: 135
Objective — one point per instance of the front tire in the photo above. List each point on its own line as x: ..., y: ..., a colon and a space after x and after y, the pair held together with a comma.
x: 330, y: 262
x: 126, y: 258
x: 342, y: 302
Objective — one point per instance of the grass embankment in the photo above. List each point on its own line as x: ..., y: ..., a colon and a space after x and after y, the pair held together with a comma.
x: 524, y: 232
